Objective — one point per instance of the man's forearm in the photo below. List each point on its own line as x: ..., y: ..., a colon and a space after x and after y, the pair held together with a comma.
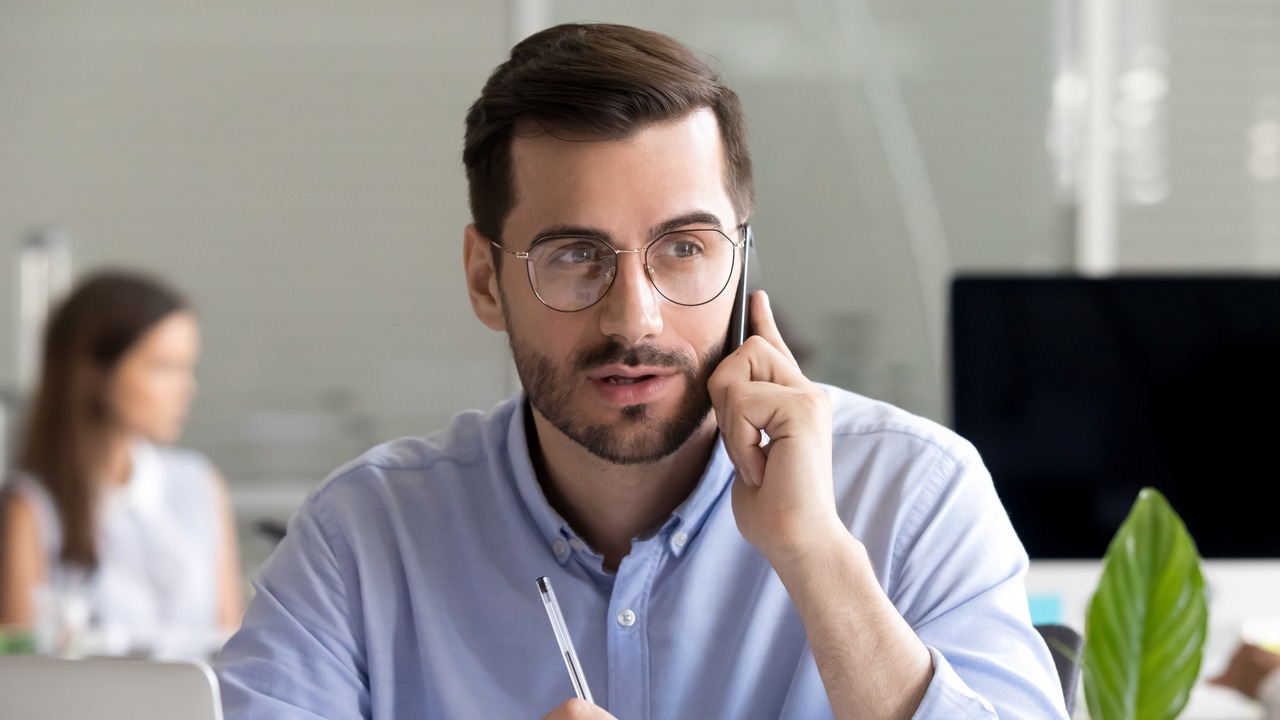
x: 871, y: 661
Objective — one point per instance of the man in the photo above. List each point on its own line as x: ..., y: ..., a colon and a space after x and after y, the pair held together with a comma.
x: 855, y: 565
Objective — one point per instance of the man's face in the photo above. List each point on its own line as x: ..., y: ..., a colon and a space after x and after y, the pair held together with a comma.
x: 625, y: 378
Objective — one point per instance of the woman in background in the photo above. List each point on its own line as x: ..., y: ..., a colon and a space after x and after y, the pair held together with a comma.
x: 97, y: 508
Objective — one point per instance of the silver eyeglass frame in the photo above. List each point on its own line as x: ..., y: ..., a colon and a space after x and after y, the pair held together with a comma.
x: 648, y: 271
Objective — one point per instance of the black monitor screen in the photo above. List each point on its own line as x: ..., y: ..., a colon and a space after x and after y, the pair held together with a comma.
x: 1079, y: 392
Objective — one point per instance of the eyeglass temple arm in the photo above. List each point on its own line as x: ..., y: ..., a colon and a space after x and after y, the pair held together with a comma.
x: 522, y: 255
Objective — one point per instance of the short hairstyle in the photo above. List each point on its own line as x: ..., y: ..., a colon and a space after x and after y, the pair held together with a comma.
x: 599, y: 80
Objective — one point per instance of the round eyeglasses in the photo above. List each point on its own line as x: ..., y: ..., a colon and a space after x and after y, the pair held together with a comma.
x: 690, y: 267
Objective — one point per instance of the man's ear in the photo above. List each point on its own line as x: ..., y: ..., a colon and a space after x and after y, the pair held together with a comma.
x: 482, y: 278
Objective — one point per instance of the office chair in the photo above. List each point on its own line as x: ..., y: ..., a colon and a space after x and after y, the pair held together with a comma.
x: 1065, y: 645
x: 273, y: 530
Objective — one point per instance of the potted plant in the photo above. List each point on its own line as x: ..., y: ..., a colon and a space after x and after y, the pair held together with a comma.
x: 1146, y: 623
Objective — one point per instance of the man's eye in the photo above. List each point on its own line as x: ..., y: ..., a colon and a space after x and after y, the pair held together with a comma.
x: 578, y: 254
x: 685, y: 249
x: 585, y: 254
x: 681, y: 248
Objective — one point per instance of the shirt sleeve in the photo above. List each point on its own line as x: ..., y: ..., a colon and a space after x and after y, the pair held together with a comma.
x: 299, y: 652
x: 958, y: 579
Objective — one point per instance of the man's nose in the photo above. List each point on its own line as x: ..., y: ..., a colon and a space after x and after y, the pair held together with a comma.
x: 632, y: 308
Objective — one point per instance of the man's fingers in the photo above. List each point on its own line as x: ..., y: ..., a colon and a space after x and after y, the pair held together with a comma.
x: 742, y: 443
x: 755, y: 389
x: 764, y: 324
x: 754, y: 412
x: 576, y: 709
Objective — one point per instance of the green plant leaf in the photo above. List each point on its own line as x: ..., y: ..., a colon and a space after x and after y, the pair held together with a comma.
x: 1145, y: 628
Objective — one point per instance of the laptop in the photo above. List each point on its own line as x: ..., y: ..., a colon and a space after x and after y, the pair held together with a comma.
x: 45, y: 688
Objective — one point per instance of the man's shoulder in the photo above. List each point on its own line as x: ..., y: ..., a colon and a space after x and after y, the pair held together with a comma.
x: 857, y: 416
x: 471, y: 440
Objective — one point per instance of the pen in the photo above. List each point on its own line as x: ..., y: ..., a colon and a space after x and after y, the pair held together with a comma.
x: 576, y: 675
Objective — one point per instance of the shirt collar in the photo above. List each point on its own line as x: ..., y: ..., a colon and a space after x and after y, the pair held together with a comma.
x: 682, y: 529
x: 679, y: 531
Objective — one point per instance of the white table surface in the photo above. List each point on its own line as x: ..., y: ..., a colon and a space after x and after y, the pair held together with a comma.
x: 1244, y: 600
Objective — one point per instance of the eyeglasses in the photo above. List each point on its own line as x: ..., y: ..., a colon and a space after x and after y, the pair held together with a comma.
x: 689, y: 267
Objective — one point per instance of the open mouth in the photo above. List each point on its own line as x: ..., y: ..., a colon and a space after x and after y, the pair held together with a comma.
x: 620, y: 380
x: 621, y: 385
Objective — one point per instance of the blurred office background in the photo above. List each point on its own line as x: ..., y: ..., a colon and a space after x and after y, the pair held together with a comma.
x: 295, y: 167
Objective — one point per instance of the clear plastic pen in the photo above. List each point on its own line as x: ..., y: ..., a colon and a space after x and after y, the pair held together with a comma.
x: 567, y: 652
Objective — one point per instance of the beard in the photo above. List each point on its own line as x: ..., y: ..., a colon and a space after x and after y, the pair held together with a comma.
x: 637, y: 437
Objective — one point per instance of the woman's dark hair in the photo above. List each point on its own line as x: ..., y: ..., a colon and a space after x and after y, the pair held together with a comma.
x: 598, y: 80
x: 65, y: 441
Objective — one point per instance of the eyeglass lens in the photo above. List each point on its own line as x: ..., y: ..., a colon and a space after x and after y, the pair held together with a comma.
x: 689, y: 267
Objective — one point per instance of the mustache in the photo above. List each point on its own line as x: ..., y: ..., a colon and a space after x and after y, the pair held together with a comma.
x: 612, y: 351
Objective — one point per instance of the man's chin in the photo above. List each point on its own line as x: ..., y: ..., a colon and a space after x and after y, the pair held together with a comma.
x: 635, y: 413
x: 631, y: 417
x: 642, y: 452
x: 637, y: 439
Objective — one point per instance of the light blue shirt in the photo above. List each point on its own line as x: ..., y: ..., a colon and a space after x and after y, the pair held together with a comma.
x: 405, y: 588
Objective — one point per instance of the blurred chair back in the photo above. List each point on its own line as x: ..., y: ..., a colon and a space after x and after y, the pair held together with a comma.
x: 1065, y: 645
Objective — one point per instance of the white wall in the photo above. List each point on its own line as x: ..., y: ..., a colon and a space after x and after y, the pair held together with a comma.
x: 295, y: 167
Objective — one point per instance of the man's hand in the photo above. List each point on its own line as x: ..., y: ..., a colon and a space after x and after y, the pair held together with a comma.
x: 577, y: 709
x: 783, y: 500
x: 871, y: 661
x: 1247, y: 668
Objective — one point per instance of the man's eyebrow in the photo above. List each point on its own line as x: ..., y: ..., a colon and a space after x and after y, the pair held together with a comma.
x: 694, y: 217
x: 583, y: 230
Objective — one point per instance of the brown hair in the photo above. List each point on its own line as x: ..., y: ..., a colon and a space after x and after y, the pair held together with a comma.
x: 600, y: 80
x: 64, y: 444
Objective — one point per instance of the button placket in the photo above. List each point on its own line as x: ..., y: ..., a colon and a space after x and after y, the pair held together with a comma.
x: 628, y: 635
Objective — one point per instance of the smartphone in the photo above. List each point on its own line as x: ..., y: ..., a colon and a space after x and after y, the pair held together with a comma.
x: 748, y: 281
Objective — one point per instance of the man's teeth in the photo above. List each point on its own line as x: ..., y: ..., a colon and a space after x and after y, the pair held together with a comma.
x: 616, y: 380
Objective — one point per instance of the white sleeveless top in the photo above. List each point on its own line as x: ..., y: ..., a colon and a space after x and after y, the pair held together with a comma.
x: 155, y: 586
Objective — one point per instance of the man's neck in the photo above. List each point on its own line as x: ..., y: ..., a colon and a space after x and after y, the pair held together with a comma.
x: 609, y: 504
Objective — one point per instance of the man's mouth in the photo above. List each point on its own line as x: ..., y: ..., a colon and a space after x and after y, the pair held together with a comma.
x: 620, y: 380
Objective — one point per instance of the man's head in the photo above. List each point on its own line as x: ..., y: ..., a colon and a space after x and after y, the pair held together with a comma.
x: 596, y: 137
x: 599, y: 81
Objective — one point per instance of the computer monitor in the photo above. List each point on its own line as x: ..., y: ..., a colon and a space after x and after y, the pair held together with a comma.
x: 1078, y: 392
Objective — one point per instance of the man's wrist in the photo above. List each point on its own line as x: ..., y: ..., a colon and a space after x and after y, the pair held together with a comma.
x: 816, y: 546
x: 825, y: 555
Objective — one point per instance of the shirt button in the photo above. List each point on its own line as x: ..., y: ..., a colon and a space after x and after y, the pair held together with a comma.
x: 626, y: 618
x: 561, y: 548
x: 681, y: 539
